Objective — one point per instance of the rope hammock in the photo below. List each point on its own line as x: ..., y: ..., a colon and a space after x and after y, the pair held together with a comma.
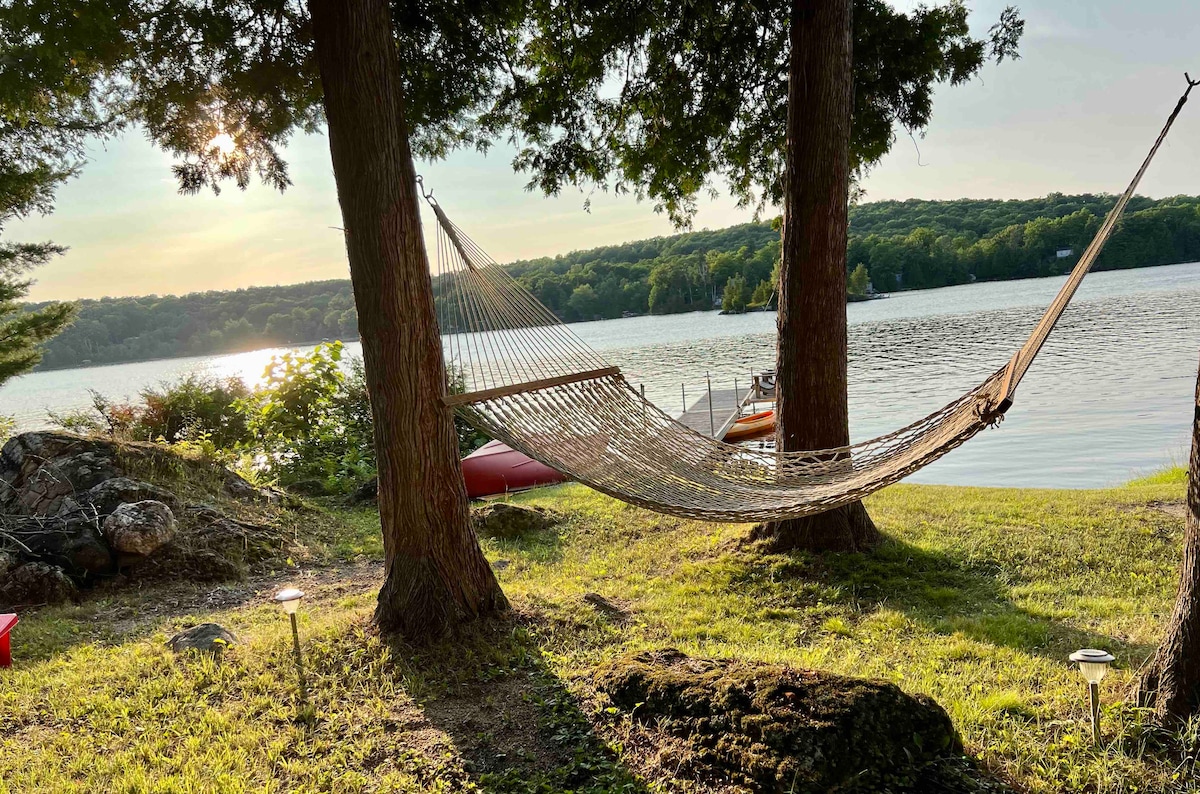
x: 529, y: 381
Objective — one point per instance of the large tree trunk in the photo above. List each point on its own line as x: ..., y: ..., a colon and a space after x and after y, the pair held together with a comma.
x: 811, y: 412
x: 436, y: 573
x: 1171, y: 683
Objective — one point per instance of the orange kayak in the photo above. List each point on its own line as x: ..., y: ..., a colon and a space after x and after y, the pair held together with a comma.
x: 753, y: 426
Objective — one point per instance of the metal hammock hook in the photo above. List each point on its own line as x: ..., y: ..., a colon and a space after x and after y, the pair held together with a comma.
x: 427, y: 196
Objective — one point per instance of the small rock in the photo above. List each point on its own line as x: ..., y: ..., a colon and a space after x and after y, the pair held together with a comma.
x: 35, y: 584
x: 603, y: 605
x: 207, y: 638
x: 140, y: 527
x: 500, y: 565
x: 367, y: 493
x: 508, y: 521
x: 111, y: 494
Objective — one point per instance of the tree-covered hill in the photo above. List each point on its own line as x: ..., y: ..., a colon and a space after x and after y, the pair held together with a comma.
x: 920, y: 244
x: 111, y: 330
x: 911, y: 244
x: 978, y: 217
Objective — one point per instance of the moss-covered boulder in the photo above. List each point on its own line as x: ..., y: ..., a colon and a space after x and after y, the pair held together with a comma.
x: 770, y: 728
x: 507, y: 521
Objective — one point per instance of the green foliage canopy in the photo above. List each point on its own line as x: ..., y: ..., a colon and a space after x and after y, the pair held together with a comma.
x: 669, y: 95
x: 53, y: 97
x: 188, y: 71
x: 654, y: 94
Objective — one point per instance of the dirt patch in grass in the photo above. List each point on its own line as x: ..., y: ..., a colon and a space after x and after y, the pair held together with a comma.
x: 1173, y: 509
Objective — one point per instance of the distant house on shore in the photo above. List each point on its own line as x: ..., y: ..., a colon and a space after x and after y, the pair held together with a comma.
x: 1063, y: 253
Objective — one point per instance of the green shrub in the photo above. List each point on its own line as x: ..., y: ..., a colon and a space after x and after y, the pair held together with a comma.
x: 193, y: 408
x: 103, y: 417
x: 196, y: 406
x: 309, y: 423
x: 307, y: 426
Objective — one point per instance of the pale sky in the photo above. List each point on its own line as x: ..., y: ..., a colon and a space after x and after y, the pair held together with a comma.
x: 1076, y: 114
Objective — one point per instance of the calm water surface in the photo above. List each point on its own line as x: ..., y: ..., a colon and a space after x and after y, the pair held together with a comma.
x: 1109, y: 398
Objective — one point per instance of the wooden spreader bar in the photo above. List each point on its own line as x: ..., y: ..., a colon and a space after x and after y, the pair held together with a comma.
x: 531, y: 385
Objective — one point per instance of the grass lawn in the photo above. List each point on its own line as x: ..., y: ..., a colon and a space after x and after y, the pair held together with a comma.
x: 976, y: 598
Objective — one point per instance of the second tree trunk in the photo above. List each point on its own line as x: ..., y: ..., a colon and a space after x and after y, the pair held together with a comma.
x: 812, y: 411
x: 1171, y: 683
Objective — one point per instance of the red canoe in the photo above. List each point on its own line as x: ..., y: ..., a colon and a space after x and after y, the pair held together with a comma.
x: 496, y: 468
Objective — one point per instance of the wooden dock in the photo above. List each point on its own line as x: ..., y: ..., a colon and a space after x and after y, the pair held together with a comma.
x: 726, y: 404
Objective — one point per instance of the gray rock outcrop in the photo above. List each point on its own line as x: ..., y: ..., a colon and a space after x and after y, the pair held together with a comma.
x: 73, y: 510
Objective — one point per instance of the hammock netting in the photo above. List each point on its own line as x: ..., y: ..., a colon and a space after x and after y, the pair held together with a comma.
x: 528, y: 380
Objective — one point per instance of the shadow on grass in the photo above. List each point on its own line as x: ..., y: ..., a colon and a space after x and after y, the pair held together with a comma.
x: 109, y: 617
x: 946, y: 594
x: 514, y: 724
x: 115, y: 615
x: 544, y: 546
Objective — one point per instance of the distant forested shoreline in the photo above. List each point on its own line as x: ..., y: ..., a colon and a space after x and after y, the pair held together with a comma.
x: 895, y: 245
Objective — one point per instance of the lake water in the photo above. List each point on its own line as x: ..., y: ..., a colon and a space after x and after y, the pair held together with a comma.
x: 1109, y: 398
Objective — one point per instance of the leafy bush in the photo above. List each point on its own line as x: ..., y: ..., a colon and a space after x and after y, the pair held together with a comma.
x: 104, y: 417
x: 193, y: 408
x: 309, y: 423
x: 307, y: 426
x: 196, y: 406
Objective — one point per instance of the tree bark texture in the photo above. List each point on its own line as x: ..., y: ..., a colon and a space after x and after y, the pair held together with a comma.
x: 437, y: 575
x: 811, y: 411
x: 1171, y: 682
